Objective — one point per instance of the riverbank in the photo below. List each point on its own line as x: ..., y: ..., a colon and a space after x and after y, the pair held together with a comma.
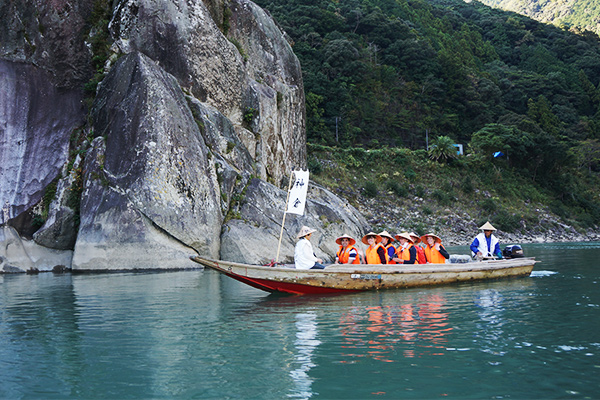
x: 403, y: 190
x: 457, y: 227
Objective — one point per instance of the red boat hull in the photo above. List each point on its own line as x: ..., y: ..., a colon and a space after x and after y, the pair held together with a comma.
x: 285, y: 287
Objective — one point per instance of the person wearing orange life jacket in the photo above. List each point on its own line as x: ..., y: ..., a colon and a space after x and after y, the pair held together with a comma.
x: 406, y: 253
x: 347, y: 254
x: 386, y: 241
x: 421, y: 259
x: 375, y: 253
x: 434, y: 251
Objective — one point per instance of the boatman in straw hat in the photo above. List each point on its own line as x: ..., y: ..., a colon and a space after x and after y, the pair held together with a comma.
x: 304, y: 256
x: 486, y: 245
x: 347, y: 254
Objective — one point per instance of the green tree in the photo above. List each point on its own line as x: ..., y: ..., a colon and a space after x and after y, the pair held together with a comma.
x: 587, y: 154
x: 315, y: 125
x: 511, y: 141
x: 541, y: 112
x: 442, y: 149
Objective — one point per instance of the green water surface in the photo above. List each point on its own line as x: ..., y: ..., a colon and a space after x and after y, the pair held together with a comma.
x: 200, y: 335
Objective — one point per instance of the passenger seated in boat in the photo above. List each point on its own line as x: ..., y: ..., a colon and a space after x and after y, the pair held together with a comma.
x: 347, y: 254
x: 386, y: 241
x: 486, y: 245
x: 434, y: 251
x: 421, y: 259
x: 375, y: 253
x: 304, y: 256
x: 406, y: 252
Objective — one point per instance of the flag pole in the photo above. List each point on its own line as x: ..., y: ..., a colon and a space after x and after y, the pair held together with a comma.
x: 284, y: 213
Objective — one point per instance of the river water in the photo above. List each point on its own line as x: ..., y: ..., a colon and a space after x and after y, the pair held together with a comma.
x: 197, y: 334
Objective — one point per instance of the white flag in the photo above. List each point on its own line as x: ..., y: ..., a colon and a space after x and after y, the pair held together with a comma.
x: 297, y: 198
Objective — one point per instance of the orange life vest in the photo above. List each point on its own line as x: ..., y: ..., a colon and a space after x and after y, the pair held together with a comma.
x: 373, y: 257
x: 434, y: 256
x: 387, y: 248
x: 404, y: 253
x: 344, y: 255
x: 420, y: 255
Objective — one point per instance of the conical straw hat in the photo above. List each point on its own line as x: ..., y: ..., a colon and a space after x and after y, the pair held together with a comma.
x: 387, y: 235
x: 414, y: 235
x: 344, y: 236
x: 435, y: 237
x: 404, y: 235
x: 305, y: 230
x: 487, y: 227
x: 377, y: 238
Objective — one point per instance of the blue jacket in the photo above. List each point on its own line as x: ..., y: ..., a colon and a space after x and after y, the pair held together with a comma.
x: 484, y: 244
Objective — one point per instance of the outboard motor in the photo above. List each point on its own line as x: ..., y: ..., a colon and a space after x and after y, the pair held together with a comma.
x: 512, y: 251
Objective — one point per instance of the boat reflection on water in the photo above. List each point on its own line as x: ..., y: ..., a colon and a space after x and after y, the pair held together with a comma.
x: 381, y: 331
x: 306, y: 342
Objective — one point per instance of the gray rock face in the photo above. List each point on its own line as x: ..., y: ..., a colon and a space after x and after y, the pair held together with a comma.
x: 165, y: 167
x: 49, y: 34
x: 188, y: 43
x: 34, y: 135
x: 253, y: 238
x: 115, y: 234
x: 155, y: 169
x: 21, y: 255
x: 275, y: 89
x: 183, y: 37
x: 60, y: 228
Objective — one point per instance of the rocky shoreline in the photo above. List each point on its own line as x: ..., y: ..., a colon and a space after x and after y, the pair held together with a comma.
x: 457, y: 228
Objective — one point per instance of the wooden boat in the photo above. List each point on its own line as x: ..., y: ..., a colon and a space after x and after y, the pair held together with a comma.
x: 359, y: 277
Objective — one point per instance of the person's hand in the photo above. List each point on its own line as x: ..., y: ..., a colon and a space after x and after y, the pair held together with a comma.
x: 437, y: 246
x: 319, y: 260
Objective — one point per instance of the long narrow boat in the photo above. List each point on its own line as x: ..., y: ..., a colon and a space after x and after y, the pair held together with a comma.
x: 360, y: 277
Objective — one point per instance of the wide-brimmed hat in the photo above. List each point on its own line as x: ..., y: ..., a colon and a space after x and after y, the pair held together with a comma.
x: 387, y: 235
x: 436, y: 237
x: 414, y: 235
x: 305, y: 230
x: 344, y: 236
x: 404, y: 235
x: 487, y: 227
x: 377, y: 237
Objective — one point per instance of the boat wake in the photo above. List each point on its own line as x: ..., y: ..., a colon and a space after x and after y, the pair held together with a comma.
x: 542, y: 273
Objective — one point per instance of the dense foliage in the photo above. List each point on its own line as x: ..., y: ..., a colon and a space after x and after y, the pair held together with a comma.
x: 573, y: 14
x: 399, y: 73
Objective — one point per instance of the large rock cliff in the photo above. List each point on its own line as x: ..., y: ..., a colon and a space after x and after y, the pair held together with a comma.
x: 198, y: 120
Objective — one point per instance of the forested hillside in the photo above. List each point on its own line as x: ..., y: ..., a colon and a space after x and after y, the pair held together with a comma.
x: 577, y: 15
x: 394, y: 73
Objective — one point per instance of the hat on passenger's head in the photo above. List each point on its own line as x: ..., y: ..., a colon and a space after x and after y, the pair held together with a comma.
x: 376, y: 236
x: 305, y: 230
x: 404, y: 235
x: 387, y: 235
x: 435, y: 237
x: 344, y: 236
x: 415, y: 237
x: 487, y: 227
